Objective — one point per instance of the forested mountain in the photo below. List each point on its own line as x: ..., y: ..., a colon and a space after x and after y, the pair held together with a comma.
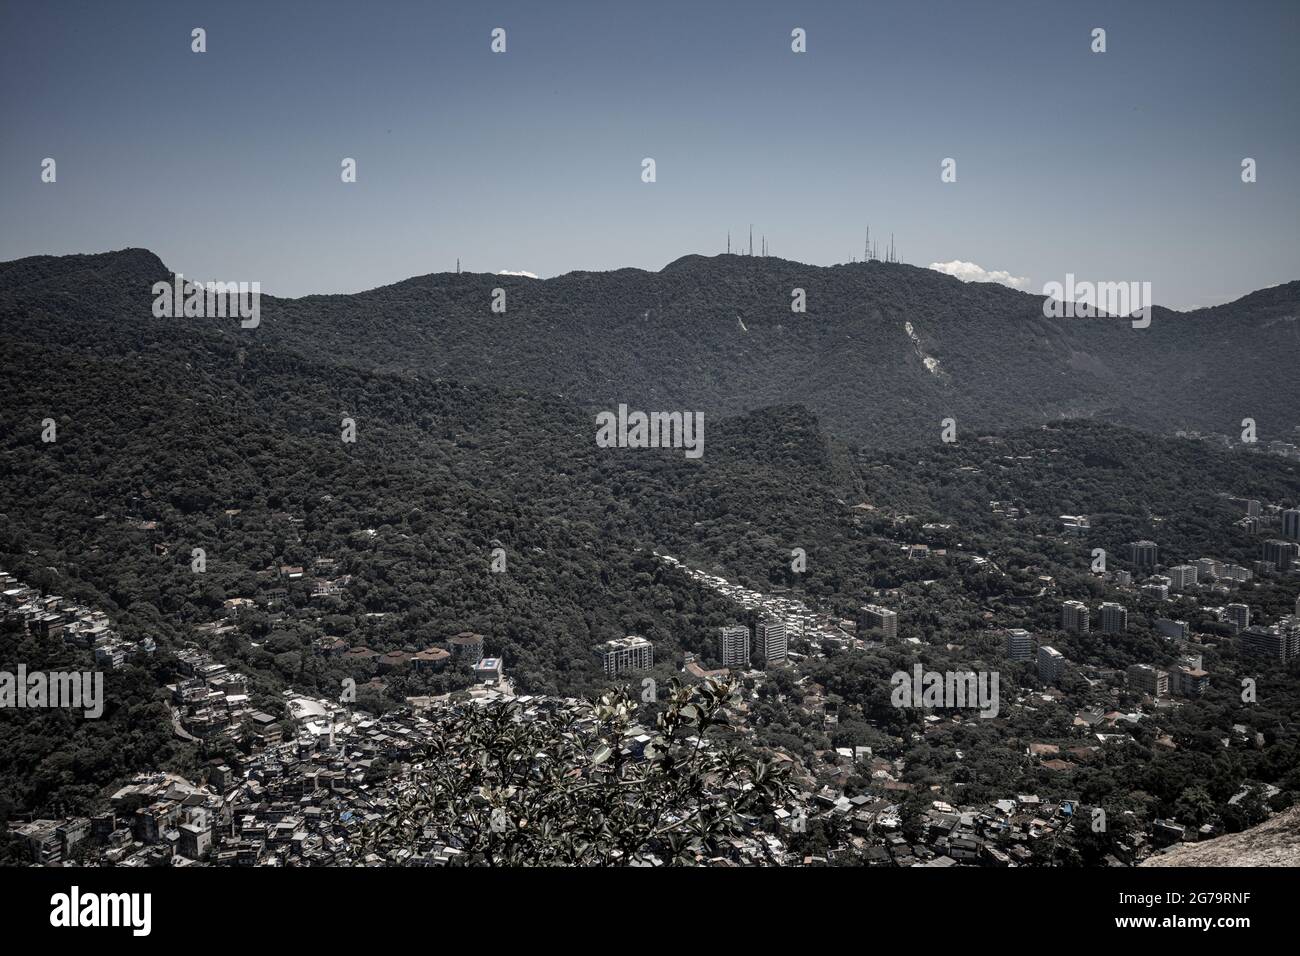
x: 180, y: 420
x: 474, y: 431
x: 883, y: 353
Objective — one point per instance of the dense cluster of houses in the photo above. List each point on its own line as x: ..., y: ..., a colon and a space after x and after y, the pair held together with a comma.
x: 314, y: 772
x: 51, y: 618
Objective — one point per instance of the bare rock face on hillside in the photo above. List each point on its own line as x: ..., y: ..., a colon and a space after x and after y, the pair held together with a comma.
x: 1273, y: 843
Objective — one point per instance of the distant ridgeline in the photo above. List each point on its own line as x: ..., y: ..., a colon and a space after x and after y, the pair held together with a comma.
x: 883, y: 353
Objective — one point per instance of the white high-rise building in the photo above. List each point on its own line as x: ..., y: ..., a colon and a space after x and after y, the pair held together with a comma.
x: 771, y: 637
x: 1291, y: 524
x: 1051, y: 664
x: 1156, y: 588
x: 1182, y: 577
x: 631, y: 653
x: 733, y: 645
x: 1237, y: 614
x: 1074, y: 617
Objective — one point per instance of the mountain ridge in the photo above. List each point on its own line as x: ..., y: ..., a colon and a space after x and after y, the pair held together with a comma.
x: 141, y: 255
x: 883, y: 355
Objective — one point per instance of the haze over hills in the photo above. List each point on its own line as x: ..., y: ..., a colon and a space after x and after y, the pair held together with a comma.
x: 882, y: 355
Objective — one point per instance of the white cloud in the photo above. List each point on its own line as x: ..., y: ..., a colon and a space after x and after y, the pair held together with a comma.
x: 509, y: 272
x: 970, y: 272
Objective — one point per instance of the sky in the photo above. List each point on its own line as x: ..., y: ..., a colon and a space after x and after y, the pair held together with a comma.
x: 1115, y: 166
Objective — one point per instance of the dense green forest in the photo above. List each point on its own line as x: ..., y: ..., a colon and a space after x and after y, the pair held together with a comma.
x: 189, y: 434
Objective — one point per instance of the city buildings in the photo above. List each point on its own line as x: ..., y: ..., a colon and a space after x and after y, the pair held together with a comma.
x: 488, y: 670
x: 1182, y: 578
x: 300, y: 798
x: 1237, y: 615
x: 771, y: 638
x: 1275, y: 642
x: 1155, y: 588
x: 1112, y: 618
x: 1148, y: 680
x: 1291, y: 524
x: 1208, y: 567
x: 1235, y: 572
x: 1020, y: 644
x: 431, y: 658
x: 1051, y: 664
x: 1075, y: 524
x: 1074, y: 617
x: 622, y: 654
x: 872, y: 617
x: 733, y: 645
x: 466, y: 647
x: 1177, y: 630
x: 1188, y: 681
x: 1281, y: 554
x: 1143, y: 554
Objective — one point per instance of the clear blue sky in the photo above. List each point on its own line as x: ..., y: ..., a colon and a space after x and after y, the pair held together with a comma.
x: 1115, y: 166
